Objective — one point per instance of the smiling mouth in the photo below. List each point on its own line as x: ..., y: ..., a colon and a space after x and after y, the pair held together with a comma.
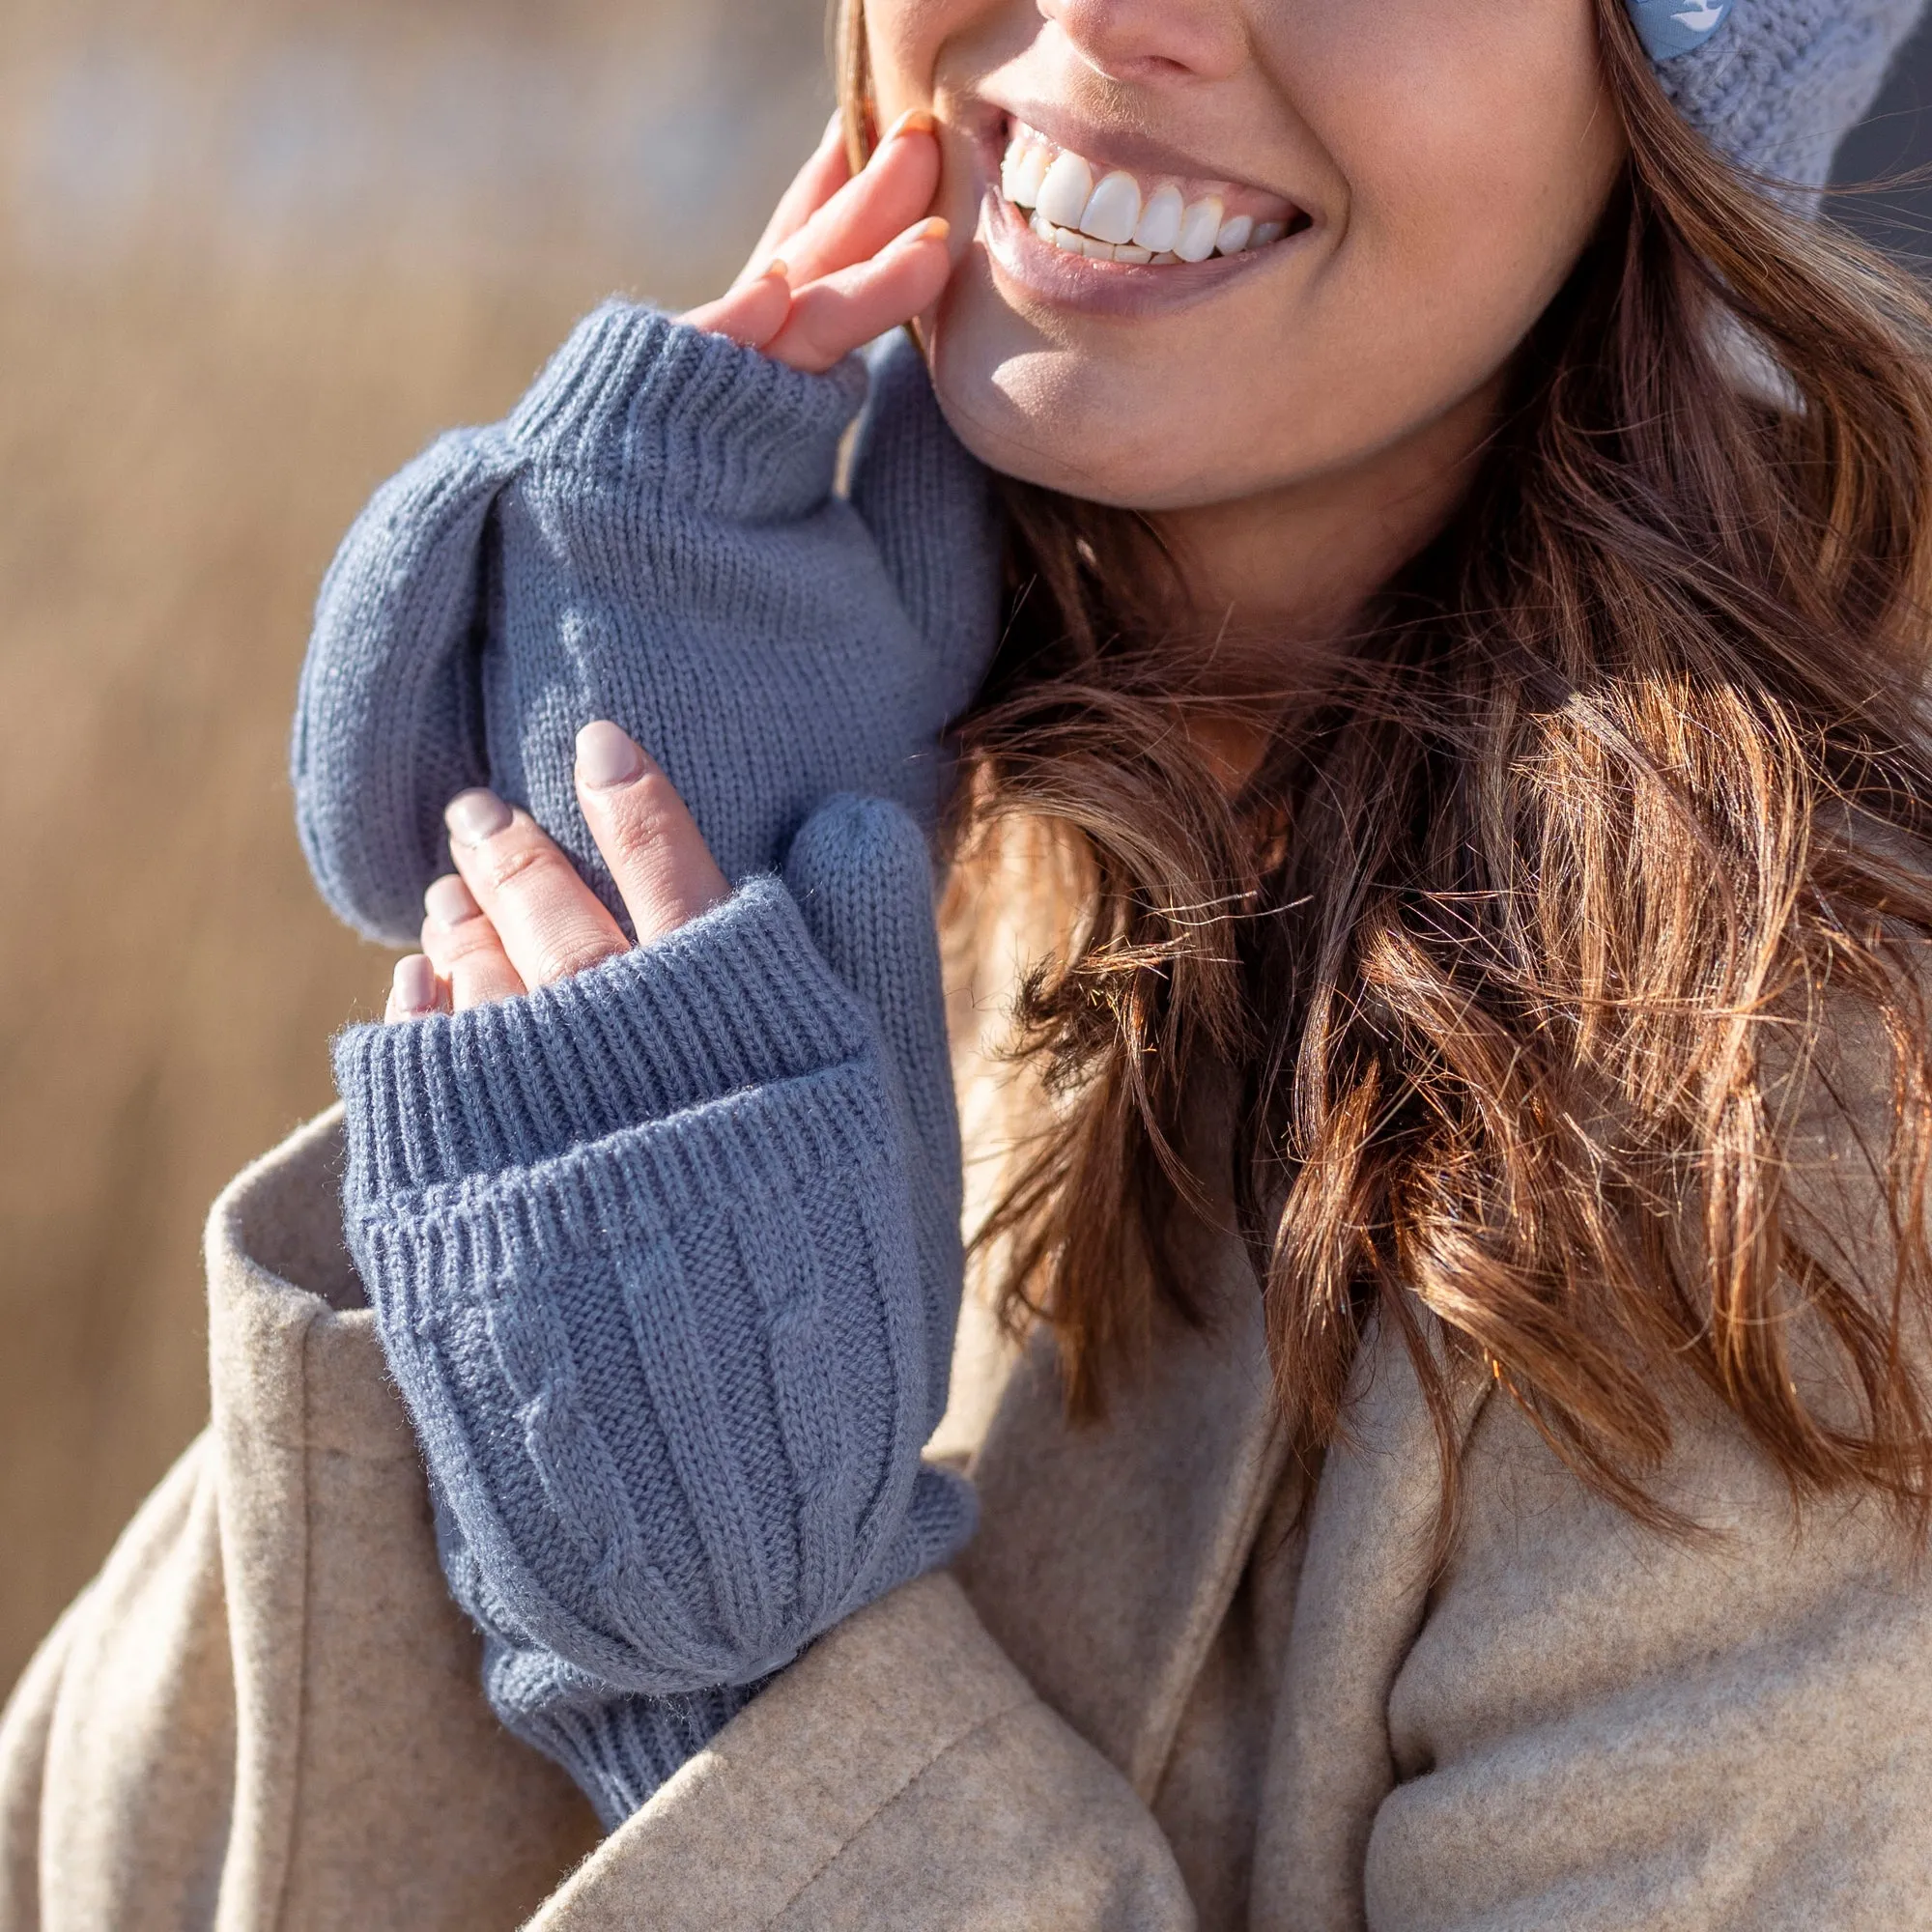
x: 1113, y: 215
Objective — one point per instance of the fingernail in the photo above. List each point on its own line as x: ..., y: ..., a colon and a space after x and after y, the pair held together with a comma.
x: 777, y: 266
x: 606, y: 755
x: 449, y: 901
x: 934, y: 228
x: 413, y: 990
x: 914, y: 121
x: 474, y: 817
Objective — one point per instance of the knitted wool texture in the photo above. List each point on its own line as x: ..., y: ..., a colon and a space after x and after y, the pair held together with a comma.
x: 665, y: 1259
x: 666, y: 1263
x: 653, y: 536
x: 1778, y: 84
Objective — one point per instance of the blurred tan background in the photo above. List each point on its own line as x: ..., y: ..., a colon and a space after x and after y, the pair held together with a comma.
x: 252, y: 254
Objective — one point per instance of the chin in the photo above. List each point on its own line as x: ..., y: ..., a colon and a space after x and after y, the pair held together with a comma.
x: 1054, y: 418
x: 1068, y: 416
x: 1081, y: 452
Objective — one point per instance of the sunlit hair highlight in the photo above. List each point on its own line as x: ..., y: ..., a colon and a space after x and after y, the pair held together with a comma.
x: 1571, y: 894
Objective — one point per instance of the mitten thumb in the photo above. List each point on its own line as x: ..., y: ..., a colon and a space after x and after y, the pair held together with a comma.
x: 862, y: 875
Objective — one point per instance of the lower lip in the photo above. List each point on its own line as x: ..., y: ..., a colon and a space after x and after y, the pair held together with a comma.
x: 1066, y: 280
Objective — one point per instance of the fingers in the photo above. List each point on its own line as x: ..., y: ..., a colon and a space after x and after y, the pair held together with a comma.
x: 814, y: 185
x: 464, y: 947
x: 516, y: 914
x: 413, y: 991
x: 752, y: 313
x: 858, y: 257
x: 897, y: 187
x: 549, y: 921
x: 839, y: 313
x: 664, y: 870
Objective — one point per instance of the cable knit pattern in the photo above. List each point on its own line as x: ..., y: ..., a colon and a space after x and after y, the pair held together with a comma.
x: 652, y: 537
x: 1779, y: 83
x: 667, y: 1280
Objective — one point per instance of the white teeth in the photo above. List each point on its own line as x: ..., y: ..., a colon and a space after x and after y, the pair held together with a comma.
x: 1112, y: 209
x: 1109, y: 220
x: 1066, y: 191
x: 1023, y: 171
x: 1199, y: 229
x: 1159, y: 225
x: 1009, y: 168
x: 1061, y: 238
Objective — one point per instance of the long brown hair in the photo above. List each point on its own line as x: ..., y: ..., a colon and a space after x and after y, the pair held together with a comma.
x: 1567, y: 890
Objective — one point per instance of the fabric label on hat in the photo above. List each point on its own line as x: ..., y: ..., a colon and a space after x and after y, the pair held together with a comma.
x: 1668, y: 28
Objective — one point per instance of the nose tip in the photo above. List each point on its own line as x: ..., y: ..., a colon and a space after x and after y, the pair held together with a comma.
x: 1145, y: 41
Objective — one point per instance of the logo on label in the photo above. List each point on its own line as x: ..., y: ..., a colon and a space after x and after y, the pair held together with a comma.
x: 1668, y: 28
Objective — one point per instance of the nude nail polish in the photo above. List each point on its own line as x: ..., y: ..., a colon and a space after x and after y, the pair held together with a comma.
x: 449, y: 901
x: 413, y: 990
x: 472, y: 817
x: 606, y: 756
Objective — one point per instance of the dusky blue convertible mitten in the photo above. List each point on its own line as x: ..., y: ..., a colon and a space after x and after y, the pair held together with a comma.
x: 664, y: 1261
x: 653, y: 536
x: 666, y: 1258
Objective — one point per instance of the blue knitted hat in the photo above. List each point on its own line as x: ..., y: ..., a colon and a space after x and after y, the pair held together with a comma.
x: 1774, y: 84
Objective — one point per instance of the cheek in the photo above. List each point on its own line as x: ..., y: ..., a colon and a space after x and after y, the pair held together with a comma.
x: 1479, y: 146
x: 904, y: 42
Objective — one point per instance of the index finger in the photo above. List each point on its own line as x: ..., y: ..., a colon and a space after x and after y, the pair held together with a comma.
x: 664, y: 872
x: 551, y: 925
x: 899, y: 187
x: 823, y: 175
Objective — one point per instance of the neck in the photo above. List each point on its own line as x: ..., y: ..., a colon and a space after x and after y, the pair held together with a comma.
x: 1290, y: 569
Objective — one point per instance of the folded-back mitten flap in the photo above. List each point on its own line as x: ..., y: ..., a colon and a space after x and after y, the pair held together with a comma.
x: 388, y: 719
x: 647, y: 537
x: 663, y: 406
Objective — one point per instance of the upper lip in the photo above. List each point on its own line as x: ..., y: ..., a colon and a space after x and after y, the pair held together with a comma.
x: 1128, y: 147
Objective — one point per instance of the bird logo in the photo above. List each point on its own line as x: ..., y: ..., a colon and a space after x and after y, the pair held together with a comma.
x: 1668, y: 28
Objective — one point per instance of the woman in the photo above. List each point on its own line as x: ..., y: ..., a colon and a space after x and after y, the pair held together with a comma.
x: 1470, y: 1461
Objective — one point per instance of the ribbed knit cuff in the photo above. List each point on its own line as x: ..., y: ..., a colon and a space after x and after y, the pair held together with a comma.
x: 738, y: 999
x: 665, y: 404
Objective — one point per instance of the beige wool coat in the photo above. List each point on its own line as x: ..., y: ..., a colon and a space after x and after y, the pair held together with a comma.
x: 1155, y: 1695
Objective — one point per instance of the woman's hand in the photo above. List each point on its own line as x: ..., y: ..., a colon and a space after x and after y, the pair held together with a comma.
x: 514, y: 915
x: 843, y: 259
